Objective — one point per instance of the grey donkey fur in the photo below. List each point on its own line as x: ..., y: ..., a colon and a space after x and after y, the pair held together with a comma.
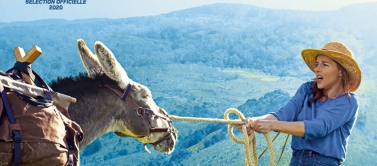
x: 99, y: 110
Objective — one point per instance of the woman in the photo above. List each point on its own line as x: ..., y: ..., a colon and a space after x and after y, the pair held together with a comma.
x: 322, y: 113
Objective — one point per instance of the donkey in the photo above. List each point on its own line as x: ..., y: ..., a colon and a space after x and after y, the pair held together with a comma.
x: 109, y: 101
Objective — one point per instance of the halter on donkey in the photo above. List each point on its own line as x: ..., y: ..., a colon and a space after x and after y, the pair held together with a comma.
x: 152, y: 122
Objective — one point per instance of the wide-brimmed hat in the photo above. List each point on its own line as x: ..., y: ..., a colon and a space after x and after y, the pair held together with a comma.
x: 339, y: 53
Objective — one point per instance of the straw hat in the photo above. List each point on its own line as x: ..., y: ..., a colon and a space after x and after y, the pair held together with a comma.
x: 339, y: 53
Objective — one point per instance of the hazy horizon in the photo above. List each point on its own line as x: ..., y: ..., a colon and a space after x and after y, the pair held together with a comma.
x: 27, y: 10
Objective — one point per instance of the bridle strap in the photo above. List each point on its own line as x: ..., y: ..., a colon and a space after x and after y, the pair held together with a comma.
x: 124, y: 95
x: 142, y: 111
x: 127, y: 92
x: 113, y: 89
x: 139, y: 110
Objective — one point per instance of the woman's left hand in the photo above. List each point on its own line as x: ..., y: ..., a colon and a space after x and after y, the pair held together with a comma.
x: 262, y: 124
x: 249, y: 123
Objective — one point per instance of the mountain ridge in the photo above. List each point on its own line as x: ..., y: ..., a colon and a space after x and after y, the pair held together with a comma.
x: 224, y: 7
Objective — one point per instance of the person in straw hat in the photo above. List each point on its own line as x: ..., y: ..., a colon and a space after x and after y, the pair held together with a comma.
x: 322, y: 113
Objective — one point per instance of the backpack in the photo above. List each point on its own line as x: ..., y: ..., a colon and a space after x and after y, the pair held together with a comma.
x: 35, y: 130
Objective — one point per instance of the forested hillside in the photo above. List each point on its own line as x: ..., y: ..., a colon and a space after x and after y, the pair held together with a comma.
x: 203, y: 60
x: 219, y: 35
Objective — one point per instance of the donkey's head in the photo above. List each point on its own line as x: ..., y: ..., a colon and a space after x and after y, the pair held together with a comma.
x: 136, y: 114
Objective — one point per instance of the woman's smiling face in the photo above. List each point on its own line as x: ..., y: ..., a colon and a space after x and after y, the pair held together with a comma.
x: 327, y: 73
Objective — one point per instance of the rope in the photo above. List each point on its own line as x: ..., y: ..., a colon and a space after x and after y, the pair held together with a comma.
x: 249, y: 140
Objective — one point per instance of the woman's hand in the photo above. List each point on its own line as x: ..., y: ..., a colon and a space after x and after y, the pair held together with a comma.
x: 249, y: 122
x: 258, y: 125
x: 263, y: 126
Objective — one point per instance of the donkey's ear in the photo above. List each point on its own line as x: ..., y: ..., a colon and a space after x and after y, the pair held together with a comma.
x: 89, y: 61
x: 110, y: 65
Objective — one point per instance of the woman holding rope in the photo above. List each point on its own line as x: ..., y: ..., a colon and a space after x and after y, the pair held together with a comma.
x: 322, y: 113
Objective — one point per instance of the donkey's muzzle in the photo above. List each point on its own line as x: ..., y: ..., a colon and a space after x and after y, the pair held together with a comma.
x: 167, y: 143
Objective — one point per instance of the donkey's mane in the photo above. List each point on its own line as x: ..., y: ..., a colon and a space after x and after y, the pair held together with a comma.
x: 76, y: 86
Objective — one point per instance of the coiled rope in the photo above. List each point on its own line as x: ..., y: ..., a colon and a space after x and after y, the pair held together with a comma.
x: 249, y: 140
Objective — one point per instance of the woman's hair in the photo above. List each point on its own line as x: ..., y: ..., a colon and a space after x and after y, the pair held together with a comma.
x: 318, y: 93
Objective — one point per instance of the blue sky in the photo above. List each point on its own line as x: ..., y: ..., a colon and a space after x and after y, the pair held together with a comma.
x: 18, y: 10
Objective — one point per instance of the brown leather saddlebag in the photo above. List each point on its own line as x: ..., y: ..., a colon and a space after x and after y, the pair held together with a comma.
x: 47, y: 136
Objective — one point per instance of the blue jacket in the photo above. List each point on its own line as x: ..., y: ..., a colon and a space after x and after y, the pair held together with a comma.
x: 328, y: 124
